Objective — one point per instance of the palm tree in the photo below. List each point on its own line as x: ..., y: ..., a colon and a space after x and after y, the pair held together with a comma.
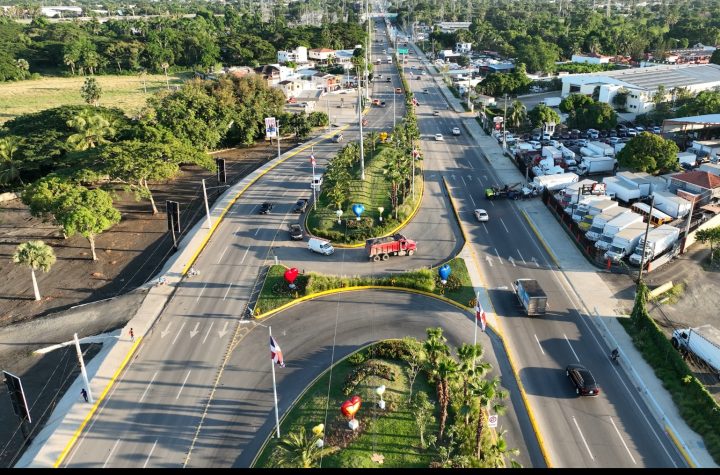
x: 35, y: 255
x: 300, y: 450
x: 9, y: 167
x: 487, y: 393
x: 496, y: 453
x: 469, y: 369
x: 372, y: 138
x: 517, y: 115
x: 92, y: 128
x: 446, y: 371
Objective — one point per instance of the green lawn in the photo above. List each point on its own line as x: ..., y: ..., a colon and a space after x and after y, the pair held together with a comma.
x: 372, y: 193
x: 125, y: 92
x: 392, y: 433
x: 462, y: 292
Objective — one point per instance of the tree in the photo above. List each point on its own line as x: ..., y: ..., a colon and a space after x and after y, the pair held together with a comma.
x: 415, y: 359
x: 496, y: 452
x: 487, y: 392
x: 712, y: 237
x: 91, y: 130
x: 444, y: 372
x: 649, y: 153
x: 88, y: 213
x: 536, y: 54
x: 37, y: 256
x: 91, y: 91
x: 299, y: 450
x: 715, y: 58
x: 542, y: 114
x: 422, y: 410
x: 619, y: 100
x: 10, y: 166
x: 517, y: 115
x: 470, y: 368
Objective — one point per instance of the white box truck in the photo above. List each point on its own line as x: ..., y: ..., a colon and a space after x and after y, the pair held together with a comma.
x: 687, y: 158
x: 570, y: 193
x: 553, y: 182
x: 552, y: 153
x: 594, y: 165
x: 594, y: 208
x: 597, y: 226
x: 551, y: 101
x: 625, y: 241
x: 659, y: 240
x: 702, y: 341
x: 671, y: 204
x: 621, y: 190
x: 602, y: 149
x: 582, y: 204
x: 613, y: 228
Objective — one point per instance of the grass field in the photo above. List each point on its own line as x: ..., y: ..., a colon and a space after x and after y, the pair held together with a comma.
x: 393, y: 434
x: 124, y: 92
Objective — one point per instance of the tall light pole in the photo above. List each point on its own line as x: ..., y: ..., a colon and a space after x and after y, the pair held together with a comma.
x: 504, y: 117
x: 367, y: 47
x: 362, y: 148
x: 647, y: 230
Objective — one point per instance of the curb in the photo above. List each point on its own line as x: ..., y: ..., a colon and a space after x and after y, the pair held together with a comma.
x: 541, y: 239
x: 679, y: 446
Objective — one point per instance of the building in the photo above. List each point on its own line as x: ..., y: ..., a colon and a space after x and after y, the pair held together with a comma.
x: 298, y: 56
x: 590, y: 58
x: 344, y: 57
x: 291, y: 87
x: 496, y: 67
x: 321, y: 54
x: 453, y: 26
x: 448, y: 55
x: 60, y: 12
x: 643, y: 83
x: 325, y: 81
x: 463, y: 48
x: 699, y: 54
x: 695, y: 186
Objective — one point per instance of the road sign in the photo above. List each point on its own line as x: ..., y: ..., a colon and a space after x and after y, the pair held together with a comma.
x: 493, y: 420
x: 498, y: 119
x: 402, y: 51
x: 17, y: 396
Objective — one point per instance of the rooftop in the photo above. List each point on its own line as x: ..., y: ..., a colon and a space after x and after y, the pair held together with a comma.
x: 669, y: 76
x: 703, y: 179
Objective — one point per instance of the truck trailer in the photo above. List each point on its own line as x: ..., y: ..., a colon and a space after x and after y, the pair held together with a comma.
x: 531, y: 296
x: 593, y: 208
x: 595, y: 165
x: 659, y: 240
x: 614, y: 227
x: 622, y: 190
x: 702, y: 341
x: 625, y: 241
x: 554, y: 182
x: 671, y: 204
x: 597, y: 226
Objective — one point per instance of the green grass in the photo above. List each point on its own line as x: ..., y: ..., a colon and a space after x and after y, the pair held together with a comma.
x: 372, y: 193
x: 124, y: 92
x: 672, y: 295
x: 392, y: 433
x: 464, y: 294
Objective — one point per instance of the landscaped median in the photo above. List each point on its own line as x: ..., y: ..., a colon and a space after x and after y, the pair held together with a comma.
x: 276, y: 292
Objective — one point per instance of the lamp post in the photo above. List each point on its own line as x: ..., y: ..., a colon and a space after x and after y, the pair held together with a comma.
x: 339, y: 213
x: 380, y: 210
x: 362, y: 148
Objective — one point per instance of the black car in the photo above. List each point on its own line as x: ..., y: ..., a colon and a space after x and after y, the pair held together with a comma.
x: 300, y: 206
x: 565, y: 135
x: 582, y: 379
x: 266, y: 208
x: 296, y: 232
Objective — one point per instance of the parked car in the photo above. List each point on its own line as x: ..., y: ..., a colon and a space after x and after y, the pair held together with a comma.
x: 612, y: 133
x: 582, y: 142
x: 426, y: 91
x: 656, y: 130
x: 398, y: 90
x: 574, y: 134
x: 592, y: 134
x: 582, y: 379
x: 481, y: 215
x: 565, y: 135
x: 320, y: 246
x: 296, y: 233
x: 388, y: 79
x: 632, y: 132
x: 535, y: 144
x: 439, y: 137
x: 536, y: 136
x: 266, y: 208
x: 640, y: 128
x: 436, y: 112
x: 300, y: 206
x: 613, y: 140
x: 456, y: 131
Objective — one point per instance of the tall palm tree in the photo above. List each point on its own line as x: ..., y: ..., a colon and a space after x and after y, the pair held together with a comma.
x: 92, y: 128
x: 300, y: 450
x: 488, y: 394
x: 37, y: 256
x: 445, y: 372
x: 9, y: 167
x: 517, y: 115
x: 469, y: 369
x: 372, y: 138
x: 435, y: 347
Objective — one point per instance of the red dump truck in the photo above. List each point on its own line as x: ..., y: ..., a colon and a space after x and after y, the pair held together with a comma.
x: 384, y: 247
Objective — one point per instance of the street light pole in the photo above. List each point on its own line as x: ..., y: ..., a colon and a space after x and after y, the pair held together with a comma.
x: 362, y: 148
x: 278, y: 137
x: 207, y: 208
x: 504, y: 116
x: 647, y: 229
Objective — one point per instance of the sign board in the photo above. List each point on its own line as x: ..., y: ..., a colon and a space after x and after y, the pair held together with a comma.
x: 498, y: 119
x: 17, y: 396
x: 492, y: 420
x: 402, y: 51
x: 270, y: 127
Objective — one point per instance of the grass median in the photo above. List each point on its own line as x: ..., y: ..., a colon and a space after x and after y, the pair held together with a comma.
x: 276, y: 291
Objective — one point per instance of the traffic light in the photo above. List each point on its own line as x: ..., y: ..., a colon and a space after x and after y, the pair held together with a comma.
x: 221, y: 175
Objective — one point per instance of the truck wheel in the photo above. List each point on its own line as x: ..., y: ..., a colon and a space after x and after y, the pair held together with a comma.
x: 376, y: 257
x: 674, y: 342
x: 401, y: 253
x: 411, y: 252
x: 385, y: 257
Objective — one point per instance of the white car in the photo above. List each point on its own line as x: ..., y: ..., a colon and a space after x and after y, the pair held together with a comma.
x: 439, y: 137
x: 481, y: 215
x: 535, y: 144
x: 456, y: 131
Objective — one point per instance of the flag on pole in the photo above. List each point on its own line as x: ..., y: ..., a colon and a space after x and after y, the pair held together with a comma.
x: 312, y: 159
x: 276, y: 353
x: 480, y: 315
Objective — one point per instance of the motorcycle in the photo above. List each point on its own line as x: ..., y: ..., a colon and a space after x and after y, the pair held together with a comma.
x: 615, y: 355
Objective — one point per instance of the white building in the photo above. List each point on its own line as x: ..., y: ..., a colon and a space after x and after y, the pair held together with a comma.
x: 643, y: 83
x: 321, y: 54
x: 590, y: 58
x: 463, y: 47
x: 453, y: 26
x: 59, y: 12
x: 298, y: 55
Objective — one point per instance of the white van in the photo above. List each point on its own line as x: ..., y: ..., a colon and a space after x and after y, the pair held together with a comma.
x: 320, y: 246
x: 316, y: 182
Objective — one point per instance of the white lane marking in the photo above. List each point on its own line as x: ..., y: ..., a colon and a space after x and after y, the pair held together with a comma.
x: 111, y: 453
x: 538, y: 342
x: 535, y: 261
x: 489, y: 260
x: 227, y: 291
x: 583, y: 438
x: 150, y: 454
x: 622, y: 440
x: 178, y: 333
x: 485, y: 228
x: 492, y: 203
x: 148, y: 387
x: 222, y: 332
x: 503, y: 223
x: 164, y: 333
x: 498, y: 254
x: 244, y: 255
x: 257, y: 231
x: 183, y: 385
x: 512, y: 261
x: 208, y: 332
x: 201, y: 292
x: 472, y: 199
x: 521, y: 257
x: 195, y: 330
x: 238, y: 229
x: 222, y: 255
x: 571, y: 348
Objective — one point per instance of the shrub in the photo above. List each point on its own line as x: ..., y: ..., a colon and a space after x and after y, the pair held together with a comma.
x: 369, y: 368
x: 357, y: 358
x: 389, y: 349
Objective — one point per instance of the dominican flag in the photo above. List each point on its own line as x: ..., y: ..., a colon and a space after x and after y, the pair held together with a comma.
x: 276, y: 353
x: 312, y: 160
x: 480, y: 315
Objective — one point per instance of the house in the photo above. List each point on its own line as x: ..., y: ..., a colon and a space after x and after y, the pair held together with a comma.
x: 698, y: 186
x: 321, y: 54
x: 463, y: 47
x: 298, y: 56
x: 325, y: 81
x: 238, y: 71
x: 344, y: 57
x: 590, y: 58
x: 291, y: 87
x: 448, y: 55
x: 496, y: 67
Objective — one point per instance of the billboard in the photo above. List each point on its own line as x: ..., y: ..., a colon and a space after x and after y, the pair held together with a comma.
x: 270, y: 128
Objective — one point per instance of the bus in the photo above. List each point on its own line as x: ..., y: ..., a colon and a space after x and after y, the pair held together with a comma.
x: 657, y: 218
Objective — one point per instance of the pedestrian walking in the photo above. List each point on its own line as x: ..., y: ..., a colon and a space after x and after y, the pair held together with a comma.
x: 132, y: 335
x: 84, y: 394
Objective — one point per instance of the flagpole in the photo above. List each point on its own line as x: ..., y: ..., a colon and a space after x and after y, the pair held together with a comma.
x: 477, y: 309
x: 272, y: 365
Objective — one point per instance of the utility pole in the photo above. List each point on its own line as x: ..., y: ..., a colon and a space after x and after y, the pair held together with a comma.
x: 207, y: 208
x: 362, y: 148
x: 278, y: 137
x: 504, y: 117
x: 647, y: 230
x: 367, y: 48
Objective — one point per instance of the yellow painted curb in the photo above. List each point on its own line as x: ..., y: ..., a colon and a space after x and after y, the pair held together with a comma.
x: 79, y: 430
x: 240, y: 193
x: 540, y: 238
x: 679, y: 446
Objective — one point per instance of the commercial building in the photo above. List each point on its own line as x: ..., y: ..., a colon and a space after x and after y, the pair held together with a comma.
x: 453, y: 26
x: 299, y: 55
x: 590, y: 58
x: 643, y: 83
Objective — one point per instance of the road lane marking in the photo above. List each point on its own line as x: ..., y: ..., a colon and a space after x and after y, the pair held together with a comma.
x: 498, y: 254
x: 195, y: 330
x: 488, y: 259
x: 208, y: 332
x: 571, y: 348
x: 111, y: 453
x: 183, y: 385
x: 221, y: 333
x: 535, y: 261
x: 222, y: 255
x: 583, y: 438
x: 164, y: 333
x: 227, y: 291
x: 244, y: 255
x: 150, y: 454
x: 521, y: 257
x: 178, y: 333
x: 503, y: 223
x: 622, y: 440
x: 148, y: 387
x: 257, y: 231
x: 201, y: 292
x: 485, y: 228
x: 512, y: 261
x: 538, y: 342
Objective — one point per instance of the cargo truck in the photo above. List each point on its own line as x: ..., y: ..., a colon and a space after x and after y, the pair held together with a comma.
x: 659, y: 240
x: 622, y: 190
x: 612, y: 229
x: 570, y: 194
x: 553, y: 182
x: 384, y: 247
x: 625, y: 241
x: 583, y: 204
x: 531, y: 296
x: 597, y: 226
x: 594, y: 165
x: 552, y: 101
x: 702, y: 341
x: 593, y: 208
x: 601, y: 149
x: 671, y: 204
